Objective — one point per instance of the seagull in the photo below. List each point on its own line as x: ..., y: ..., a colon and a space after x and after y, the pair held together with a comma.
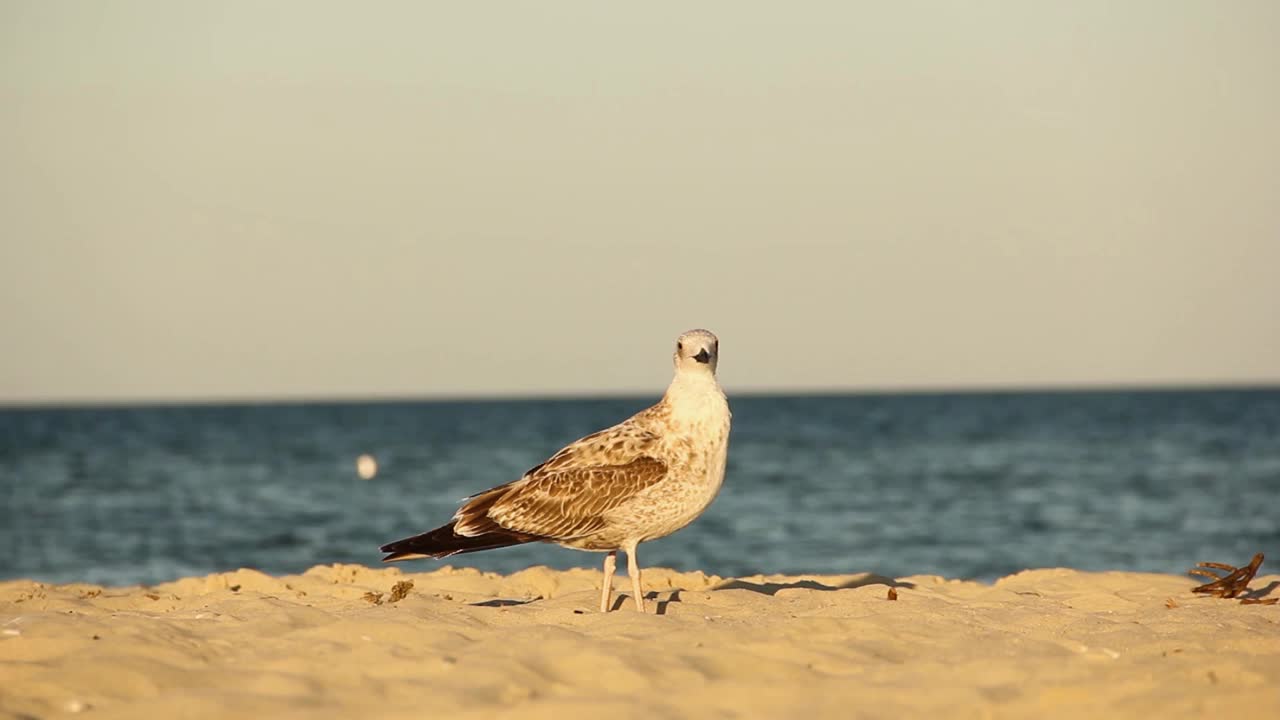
x: 640, y: 480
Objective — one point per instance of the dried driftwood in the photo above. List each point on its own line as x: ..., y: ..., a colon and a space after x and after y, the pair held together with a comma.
x: 1232, y: 583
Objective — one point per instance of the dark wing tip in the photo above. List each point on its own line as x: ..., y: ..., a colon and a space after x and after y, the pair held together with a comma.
x: 443, y: 542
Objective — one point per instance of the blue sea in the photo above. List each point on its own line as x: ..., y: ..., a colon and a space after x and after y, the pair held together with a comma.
x: 961, y: 485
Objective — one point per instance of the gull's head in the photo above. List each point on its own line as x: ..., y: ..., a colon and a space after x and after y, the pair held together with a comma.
x: 697, y: 351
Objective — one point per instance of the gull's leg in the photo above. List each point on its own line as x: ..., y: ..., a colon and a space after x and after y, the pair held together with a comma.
x: 610, y: 561
x: 633, y: 569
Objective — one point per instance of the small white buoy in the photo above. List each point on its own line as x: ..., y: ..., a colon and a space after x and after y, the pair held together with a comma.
x: 366, y: 467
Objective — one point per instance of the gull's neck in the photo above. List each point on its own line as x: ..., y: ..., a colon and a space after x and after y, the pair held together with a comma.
x: 693, y: 381
x: 694, y: 393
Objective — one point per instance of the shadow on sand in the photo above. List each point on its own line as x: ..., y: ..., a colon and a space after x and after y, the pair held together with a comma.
x: 770, y: 588
x: 1260, y: 593
x: 622, y: 601
x: 662, y: 600
x: 665, y: 598
x: 500, y: 602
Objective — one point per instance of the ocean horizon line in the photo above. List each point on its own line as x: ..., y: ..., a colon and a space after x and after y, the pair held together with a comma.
x: 267, y: 400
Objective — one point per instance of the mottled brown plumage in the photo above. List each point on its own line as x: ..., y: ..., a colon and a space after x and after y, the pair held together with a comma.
x: 639, y: 480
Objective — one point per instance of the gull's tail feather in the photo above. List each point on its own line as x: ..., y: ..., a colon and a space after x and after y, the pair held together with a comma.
x: 444, y: 541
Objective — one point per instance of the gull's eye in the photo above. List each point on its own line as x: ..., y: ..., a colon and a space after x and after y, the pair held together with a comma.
x: 679, y: 346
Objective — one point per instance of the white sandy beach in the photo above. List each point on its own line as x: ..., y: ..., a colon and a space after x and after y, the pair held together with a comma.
x: 330, y: 643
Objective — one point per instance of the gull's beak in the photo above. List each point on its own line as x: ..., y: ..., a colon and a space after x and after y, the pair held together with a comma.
x: 702, y: 356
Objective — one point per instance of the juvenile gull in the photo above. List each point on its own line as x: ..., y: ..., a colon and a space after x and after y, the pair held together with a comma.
x: 640, y: 480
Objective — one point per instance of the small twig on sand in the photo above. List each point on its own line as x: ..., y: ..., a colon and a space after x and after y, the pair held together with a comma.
x: 1234, y: 582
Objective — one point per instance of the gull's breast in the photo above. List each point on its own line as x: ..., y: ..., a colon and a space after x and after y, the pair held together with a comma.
x: 695, y: 474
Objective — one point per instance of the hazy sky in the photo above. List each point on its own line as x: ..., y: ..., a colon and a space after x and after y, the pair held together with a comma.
x: 302, y: 199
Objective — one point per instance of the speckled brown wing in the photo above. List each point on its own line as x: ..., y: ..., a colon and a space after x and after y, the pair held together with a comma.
x: 571, y: 502
x: 566, y: 497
